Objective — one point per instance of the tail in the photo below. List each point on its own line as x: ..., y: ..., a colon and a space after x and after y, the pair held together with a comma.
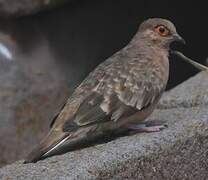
x: 52, y: 141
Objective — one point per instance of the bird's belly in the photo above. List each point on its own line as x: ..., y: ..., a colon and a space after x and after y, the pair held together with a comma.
x: 137, y: 117
x: 123, y: 124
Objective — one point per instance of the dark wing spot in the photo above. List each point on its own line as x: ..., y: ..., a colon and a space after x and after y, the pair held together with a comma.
x: 70, y: 126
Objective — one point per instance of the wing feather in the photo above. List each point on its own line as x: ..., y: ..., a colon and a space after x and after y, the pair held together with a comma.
x: 114, y: 90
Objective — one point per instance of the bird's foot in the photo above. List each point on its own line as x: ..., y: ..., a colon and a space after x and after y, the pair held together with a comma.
x: 147, y: 127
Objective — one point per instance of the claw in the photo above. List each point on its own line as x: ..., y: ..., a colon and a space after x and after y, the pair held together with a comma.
x: 145, y: 128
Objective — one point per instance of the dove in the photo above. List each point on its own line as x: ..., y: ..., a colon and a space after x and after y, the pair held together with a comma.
x: 118, y: 95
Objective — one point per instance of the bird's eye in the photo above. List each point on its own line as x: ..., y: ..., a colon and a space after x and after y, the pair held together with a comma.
x: 162, y: 30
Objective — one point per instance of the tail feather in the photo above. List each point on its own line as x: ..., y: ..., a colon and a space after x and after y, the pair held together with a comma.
x: 52, y: 141
x: 56, y: 146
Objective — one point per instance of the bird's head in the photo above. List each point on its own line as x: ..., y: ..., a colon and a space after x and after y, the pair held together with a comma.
x: 159, y: 32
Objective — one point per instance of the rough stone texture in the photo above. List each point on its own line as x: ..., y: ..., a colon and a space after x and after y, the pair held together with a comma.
x: 14, y: 8
x: 178, y: 152
x: 192, y: 93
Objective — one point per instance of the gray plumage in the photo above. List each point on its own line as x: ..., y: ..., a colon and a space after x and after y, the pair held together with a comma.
x: 122, y: 90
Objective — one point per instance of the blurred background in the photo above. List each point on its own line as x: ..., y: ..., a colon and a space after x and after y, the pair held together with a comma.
x: 47, y: 47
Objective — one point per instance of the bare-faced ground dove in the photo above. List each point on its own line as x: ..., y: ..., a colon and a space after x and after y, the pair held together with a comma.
x: 118, y: 95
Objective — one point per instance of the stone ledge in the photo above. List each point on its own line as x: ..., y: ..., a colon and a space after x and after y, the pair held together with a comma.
x: 178, y: 152
x: 194, y: 92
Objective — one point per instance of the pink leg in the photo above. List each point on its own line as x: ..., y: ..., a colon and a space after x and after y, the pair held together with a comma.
x: 145, y: 128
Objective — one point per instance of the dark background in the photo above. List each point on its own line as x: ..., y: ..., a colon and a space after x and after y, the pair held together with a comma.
x: 86, y: 32
x: 54, y: 50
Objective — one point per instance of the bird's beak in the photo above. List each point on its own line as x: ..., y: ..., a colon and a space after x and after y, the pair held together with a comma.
x: 177, y: 37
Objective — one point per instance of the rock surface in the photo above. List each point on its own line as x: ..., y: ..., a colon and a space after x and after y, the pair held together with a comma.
x: 14, y: 8
x: 190, y: 94
x: 178, y: 152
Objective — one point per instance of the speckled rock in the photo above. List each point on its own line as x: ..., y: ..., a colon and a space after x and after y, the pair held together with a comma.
x: 175, y: 153
x: 192, y: 93
x: 178, y: 152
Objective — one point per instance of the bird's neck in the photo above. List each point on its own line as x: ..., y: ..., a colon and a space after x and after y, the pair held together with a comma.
x: 147, y: 49
x: 157, y: 57
x: 147, y: 46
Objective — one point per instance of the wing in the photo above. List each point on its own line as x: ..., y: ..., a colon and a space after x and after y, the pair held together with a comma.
x: 116, y: 89
x: 112, y: 92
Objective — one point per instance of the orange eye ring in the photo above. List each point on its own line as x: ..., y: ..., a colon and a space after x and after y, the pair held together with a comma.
x: 162, y: 30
